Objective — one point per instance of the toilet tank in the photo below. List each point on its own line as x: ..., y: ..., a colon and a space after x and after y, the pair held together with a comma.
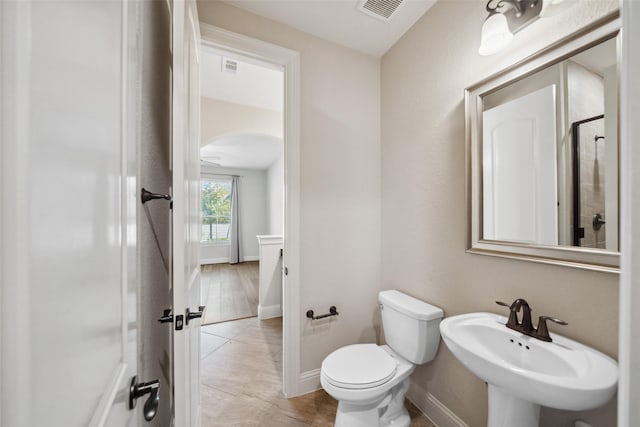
x: 411, y: 326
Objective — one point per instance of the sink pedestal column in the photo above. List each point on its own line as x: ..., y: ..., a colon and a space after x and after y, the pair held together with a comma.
x: 506, y: 410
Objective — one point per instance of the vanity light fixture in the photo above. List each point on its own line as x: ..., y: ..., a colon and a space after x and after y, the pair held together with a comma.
x: 506, y: 17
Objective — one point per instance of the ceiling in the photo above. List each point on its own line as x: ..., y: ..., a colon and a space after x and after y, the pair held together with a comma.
x: 254, y: 84
x: 599, y: 57
x: 340, y: 21
x: 242, y: 151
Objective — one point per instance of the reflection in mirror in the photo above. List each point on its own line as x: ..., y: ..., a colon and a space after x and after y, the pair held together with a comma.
x: 550, y: 155
x: 542, y: 155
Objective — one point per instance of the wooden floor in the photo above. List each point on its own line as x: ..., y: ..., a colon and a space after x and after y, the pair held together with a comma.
x: 241, y: 376
x: 229, y: 291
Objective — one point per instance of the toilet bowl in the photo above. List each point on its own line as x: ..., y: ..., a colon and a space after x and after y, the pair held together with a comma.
x: 361, y: 378
x: 370, y: 381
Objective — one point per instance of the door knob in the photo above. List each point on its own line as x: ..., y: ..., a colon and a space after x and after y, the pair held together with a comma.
x: 137, y: 390
x: 194, y: 314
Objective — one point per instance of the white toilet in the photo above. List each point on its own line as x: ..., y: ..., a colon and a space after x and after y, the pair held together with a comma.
x: 370, y: 381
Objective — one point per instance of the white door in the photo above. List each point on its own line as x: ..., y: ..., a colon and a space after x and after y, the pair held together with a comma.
x: 519, y: 185
x: 186, y: 213
x: 68, y: 200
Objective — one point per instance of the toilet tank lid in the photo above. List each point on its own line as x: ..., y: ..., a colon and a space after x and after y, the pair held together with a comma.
x: 409, y: 305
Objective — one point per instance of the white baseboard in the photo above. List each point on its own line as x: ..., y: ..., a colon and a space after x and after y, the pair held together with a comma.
x: 206, y: 261
x: 309, y: 381
x: 269, y: 311
x: 435, y: 410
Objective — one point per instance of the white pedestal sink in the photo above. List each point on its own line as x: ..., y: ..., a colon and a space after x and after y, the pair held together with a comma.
x: 525, y: 373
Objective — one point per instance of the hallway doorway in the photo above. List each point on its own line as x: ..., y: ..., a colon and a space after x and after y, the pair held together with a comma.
x: 288, y: 62
x: 242, y: 185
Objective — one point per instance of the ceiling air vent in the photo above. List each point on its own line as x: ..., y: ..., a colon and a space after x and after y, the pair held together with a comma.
x: 229, y: 66
x: 380, y: 9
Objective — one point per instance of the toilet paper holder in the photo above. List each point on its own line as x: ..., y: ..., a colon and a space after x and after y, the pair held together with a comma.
x: 333, y: 311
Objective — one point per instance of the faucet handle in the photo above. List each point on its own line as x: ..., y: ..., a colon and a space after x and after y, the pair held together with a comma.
x: 513, y: 317
x: 542, y: 332
x: 553, y: 319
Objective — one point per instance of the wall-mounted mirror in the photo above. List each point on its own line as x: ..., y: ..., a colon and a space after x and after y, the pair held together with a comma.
x: 542, y: 155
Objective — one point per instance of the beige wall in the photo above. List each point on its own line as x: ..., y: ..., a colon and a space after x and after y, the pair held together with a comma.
x: 423, y: 201
x: 340, y: 179
x: 220, y: 118
x: 275, y: 198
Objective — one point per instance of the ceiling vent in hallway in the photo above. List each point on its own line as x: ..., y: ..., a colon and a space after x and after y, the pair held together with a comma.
x: 380, y: 9
x: 229, y: 66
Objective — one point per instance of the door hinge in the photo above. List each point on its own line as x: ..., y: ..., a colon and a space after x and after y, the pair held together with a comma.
x: 286, y: 271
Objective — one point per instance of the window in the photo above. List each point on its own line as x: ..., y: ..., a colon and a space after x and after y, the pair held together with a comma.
x: 215, y: 199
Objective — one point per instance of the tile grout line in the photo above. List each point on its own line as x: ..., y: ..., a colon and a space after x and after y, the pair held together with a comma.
x: 214, y: 350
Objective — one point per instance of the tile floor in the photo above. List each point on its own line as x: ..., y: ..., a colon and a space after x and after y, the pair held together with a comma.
x: 241, y: 378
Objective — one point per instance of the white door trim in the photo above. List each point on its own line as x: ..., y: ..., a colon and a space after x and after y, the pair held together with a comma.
x: 15, y: 70
x: 629, y: 327
x: 290, y: 60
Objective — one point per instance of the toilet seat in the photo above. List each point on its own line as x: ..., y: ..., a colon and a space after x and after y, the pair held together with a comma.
x: 359, y: 366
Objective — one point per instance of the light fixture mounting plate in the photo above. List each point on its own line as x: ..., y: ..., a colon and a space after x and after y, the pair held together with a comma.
x: 519, y: 13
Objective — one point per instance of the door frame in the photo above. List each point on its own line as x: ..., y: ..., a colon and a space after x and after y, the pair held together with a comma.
x: 219, y: 38
x: 629, y: 317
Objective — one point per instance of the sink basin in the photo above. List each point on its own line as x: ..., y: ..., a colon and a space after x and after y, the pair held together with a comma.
x: 524, y: 373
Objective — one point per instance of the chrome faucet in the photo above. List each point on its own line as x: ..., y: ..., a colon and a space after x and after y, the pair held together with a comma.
x: 526, y: 326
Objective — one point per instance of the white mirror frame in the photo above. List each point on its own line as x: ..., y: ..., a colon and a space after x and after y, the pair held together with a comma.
x: 593, y: 259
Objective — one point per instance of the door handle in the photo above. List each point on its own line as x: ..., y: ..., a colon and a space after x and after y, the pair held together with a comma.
x: 194, y: 314
x: 137, y: 390
x: 167, y: 317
